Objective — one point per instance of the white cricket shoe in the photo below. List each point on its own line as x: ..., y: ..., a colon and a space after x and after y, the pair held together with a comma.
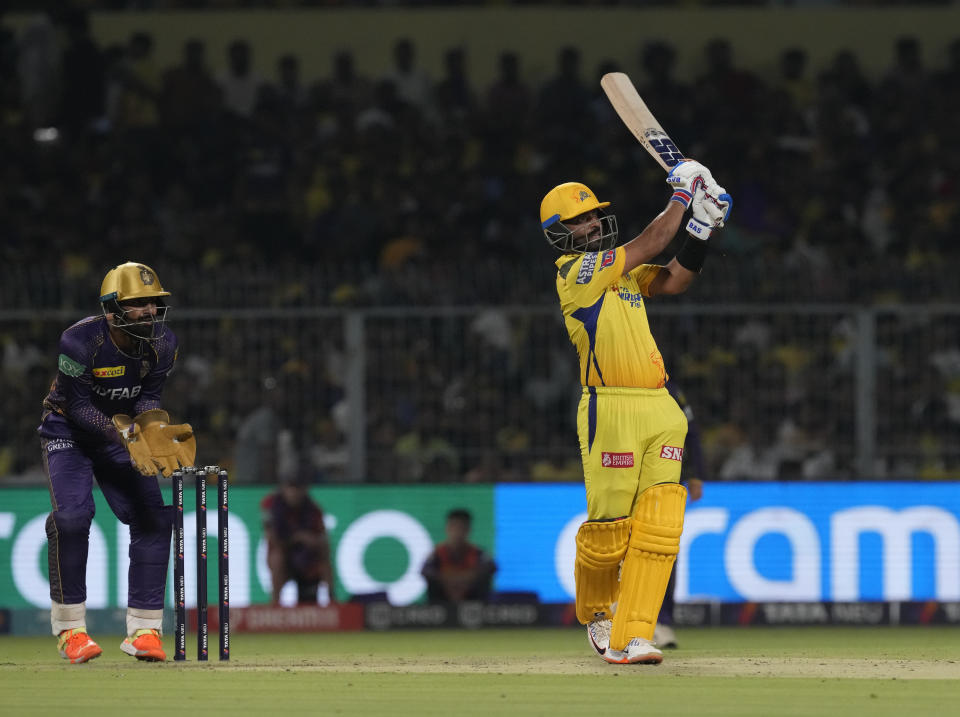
x: 664, y: 636
x: 637, y: 652
x: 598, y: 635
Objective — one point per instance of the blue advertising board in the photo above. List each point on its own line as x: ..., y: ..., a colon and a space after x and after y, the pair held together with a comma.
x: 848, y: 541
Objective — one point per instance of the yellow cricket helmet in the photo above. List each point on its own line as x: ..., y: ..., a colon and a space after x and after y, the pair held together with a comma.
x: 566, y: 201
x: 131, y: 281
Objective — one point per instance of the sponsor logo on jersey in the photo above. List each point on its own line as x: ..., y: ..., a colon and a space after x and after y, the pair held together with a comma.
x: 117, y: 394
x: 587, y: 265
x: 109, y: 371
x: 673, y: 453
x: 59, y: 444
x: 617, y: 460
x: 635, y: 299
x: 68, y: 366
x: 609, y: 257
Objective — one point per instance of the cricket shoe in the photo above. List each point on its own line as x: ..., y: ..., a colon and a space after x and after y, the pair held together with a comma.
x: 75, y: 645
x: 637, y: 652
x: 598, y: 635
x: 663, y: 636
x: 145, y: 645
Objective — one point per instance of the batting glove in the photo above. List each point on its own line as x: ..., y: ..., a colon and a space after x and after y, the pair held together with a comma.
x: 711, y: 207
x: 686, y: 178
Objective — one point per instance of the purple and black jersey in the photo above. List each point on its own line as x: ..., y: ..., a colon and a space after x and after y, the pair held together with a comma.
x: 96, y: 381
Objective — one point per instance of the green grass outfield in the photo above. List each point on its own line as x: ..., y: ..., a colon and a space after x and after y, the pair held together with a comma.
x: 854, y: 672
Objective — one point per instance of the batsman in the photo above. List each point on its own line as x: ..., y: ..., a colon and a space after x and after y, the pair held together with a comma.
x: 110, y: 367
x: 631, y: 430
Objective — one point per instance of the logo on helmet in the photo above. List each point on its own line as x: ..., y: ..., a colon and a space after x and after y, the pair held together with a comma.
x: 582, y: 196
x: 146, y: 276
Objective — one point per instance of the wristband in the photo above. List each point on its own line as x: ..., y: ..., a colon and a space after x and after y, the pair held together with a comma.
x: 682, y: 197
x: 692, y: 254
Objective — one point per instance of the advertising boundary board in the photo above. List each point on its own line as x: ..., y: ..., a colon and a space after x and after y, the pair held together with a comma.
x: 856, y: 542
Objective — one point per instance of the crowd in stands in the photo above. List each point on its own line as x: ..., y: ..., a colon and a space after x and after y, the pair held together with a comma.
x: 404, y: 189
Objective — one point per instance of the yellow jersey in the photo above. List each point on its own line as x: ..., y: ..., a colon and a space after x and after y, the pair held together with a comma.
x: 606, y: 320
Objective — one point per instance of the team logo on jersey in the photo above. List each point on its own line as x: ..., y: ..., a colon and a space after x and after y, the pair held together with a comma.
x: 68, y: 366
x: 109, y: 371
x: 587, y: 265
x: 146, y: 276
x: 609, y: 257
x: 673, y: 453
x: 144, y: 368
x: 617, y: 460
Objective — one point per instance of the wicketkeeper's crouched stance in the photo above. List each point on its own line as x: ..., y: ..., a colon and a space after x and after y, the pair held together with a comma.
x: 631, y: 430
x: 112, y: 366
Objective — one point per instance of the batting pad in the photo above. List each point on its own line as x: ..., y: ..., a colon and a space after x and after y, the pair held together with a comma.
x: 654, y: 543
x: 600, y: 548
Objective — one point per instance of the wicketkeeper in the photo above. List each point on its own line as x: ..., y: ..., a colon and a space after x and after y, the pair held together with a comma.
x: 111, y: 367
x: 631, y: 430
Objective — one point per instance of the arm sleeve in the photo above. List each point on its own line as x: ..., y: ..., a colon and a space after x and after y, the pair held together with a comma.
x: 152, y: 384
x: 76, y: 381
x: 585, y: 278
x: 644, y: 275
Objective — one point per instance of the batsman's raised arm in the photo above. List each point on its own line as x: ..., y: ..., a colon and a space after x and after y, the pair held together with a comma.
x: 710, y: 204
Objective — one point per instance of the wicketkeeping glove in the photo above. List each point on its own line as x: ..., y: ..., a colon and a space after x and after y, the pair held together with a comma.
x: 132, y: 437
x: 169, y: 446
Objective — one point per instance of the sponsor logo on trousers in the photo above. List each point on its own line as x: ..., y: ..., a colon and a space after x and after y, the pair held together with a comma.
x: 59, y: 444
x: 673, y: 453
x: 617, y: 460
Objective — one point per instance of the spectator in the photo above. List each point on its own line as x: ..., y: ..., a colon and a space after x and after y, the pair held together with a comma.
x: 139, y: 83
x: 39, y: 69
x: 83, y: 99
x: 509, y: 102
x: 455, y: 97
x: 258, y: 437
x: 457, y: 570
x: 298, y: 547
x: 189, y: 95
x: 240, y: 84
x: 413, y: 85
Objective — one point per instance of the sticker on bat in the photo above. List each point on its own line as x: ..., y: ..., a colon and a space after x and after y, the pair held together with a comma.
x: 667, y: 150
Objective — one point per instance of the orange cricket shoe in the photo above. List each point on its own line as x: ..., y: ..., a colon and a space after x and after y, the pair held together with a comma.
x: 145, y: 645
x: 75, y: 645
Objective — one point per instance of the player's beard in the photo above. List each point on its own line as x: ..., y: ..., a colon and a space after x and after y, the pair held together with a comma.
x: 591, y: 242
x: 148, y: 328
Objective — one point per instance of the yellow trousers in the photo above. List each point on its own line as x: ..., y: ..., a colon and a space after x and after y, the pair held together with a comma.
x: 630, y: 439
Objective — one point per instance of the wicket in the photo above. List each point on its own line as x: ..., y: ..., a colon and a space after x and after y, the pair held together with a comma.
x: 223, y: 562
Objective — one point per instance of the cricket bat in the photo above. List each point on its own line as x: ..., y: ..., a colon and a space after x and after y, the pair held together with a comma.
x: 640, y: 120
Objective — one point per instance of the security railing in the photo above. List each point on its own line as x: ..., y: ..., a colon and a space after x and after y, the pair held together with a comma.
x: 489, y: 394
